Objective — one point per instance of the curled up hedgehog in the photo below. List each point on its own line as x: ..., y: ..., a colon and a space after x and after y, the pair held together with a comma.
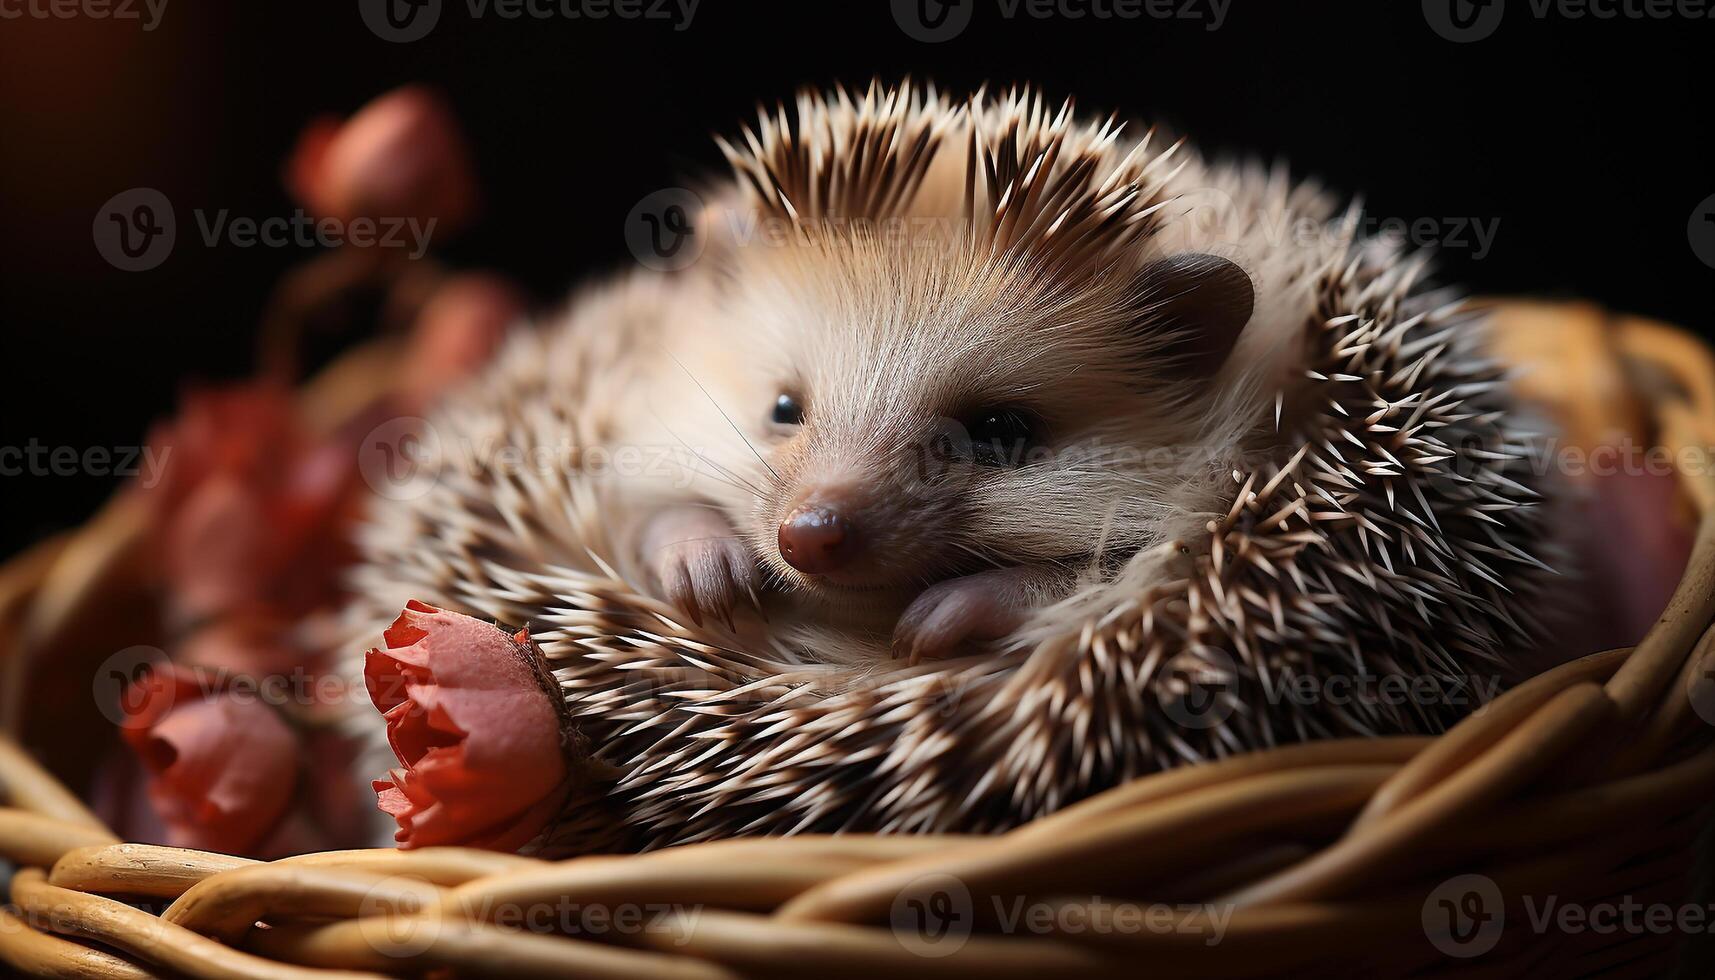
x: 987, y: 457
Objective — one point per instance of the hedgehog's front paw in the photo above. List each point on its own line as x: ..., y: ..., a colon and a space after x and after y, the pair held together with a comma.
x: 984, y: 606
x: 699, y: 562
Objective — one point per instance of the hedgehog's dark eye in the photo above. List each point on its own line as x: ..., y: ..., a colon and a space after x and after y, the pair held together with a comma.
x: 1001, y: 436
x: 787, y: 411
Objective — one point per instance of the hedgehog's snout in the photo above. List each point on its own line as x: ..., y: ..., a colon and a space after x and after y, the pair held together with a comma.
x: 816, y: 538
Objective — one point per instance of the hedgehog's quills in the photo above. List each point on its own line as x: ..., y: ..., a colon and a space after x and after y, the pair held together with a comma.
x: 1130, y: 426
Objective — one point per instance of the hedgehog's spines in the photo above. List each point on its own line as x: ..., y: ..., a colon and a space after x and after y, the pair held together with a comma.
x: 1036, y: 181
x: 1397, y: 528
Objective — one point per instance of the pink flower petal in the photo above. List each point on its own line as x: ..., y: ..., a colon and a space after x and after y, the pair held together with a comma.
x: 224, y: 769
x: 456, y: 333
x: 400, y: 156
x: 248, y: 509
x: 477, y: 737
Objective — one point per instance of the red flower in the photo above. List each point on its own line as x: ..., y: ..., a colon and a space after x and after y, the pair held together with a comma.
x: 456, y: 333
x: 401, y: 156
x: 473, y: 725
x: 248, y: 509
x: 224, y: 768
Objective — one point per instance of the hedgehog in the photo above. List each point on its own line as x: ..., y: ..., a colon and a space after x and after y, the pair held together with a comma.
x: 988, y: 456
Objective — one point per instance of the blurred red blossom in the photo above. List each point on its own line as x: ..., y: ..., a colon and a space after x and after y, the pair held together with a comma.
x: 472, y: 724
x: 1632, y: 545
x: 250, y: 526
x: 399, y: 157
x: 456, y: 333
x: 224, y: 766
x: 242, y: 645
x: 249, y: 508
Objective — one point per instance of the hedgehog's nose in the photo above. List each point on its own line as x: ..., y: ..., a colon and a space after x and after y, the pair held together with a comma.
x: 817, y: 540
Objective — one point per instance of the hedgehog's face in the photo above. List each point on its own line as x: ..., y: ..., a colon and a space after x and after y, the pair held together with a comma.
x: 949, y: 422
x: 876, y: 497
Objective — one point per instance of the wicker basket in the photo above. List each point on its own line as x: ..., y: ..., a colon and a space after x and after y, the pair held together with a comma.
x: 1586, y: 787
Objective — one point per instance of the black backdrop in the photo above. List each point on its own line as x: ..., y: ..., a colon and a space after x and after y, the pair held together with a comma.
x: 1581, y: 141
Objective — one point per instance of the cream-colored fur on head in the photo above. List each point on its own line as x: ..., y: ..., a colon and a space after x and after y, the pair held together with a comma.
x: 1342, y: 494
x: 997, y: 263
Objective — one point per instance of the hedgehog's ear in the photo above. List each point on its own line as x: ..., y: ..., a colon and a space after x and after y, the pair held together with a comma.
x: 1200, y: 303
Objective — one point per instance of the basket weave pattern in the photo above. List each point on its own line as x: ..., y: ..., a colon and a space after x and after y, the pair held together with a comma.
x: 1589, y: 783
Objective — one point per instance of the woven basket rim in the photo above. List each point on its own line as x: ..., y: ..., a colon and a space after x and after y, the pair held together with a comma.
x: 1588, y: 780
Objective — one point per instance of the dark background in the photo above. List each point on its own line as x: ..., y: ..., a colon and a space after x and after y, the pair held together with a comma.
x: 1586, y: 139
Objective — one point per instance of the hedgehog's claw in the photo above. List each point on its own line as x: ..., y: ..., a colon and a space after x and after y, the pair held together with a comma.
x: 700, y: 565
x: 681, y: 593
x: 951, y: 614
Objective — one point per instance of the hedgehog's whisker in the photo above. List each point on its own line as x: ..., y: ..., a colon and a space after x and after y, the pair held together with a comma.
x: 706, y: 537
x: 731, y: 479
x: 725, y: 481
x: 736, y: 430
x: 723, y: 476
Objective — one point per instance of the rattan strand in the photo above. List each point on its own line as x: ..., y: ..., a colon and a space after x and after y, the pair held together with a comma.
x: 1324, y: 851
